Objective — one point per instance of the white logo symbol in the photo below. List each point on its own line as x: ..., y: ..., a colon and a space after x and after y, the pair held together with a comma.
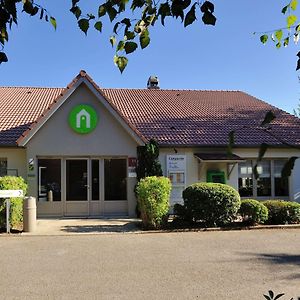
x: 83, y: 115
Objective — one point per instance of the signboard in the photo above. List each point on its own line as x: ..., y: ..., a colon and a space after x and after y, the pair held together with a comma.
x: 132, y: 161
x: 176, y: 171
x: 11, y: 193
x: 83, y: 119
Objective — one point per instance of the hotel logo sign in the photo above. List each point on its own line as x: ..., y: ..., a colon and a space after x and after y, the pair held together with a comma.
x: 83, y: 119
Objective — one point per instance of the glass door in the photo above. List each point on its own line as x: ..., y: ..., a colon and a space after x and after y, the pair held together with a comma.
x: 77, y: 187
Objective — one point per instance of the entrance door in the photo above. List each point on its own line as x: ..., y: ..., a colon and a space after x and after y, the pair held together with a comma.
x: 82, y: 197
x: 77, y: 187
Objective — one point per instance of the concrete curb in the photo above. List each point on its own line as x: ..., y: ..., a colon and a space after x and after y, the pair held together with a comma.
x: 138, y: 231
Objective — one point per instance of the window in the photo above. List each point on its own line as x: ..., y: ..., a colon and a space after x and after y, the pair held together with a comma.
x: 115, y: 174
x: 269, y: 184
x: 3, y: 166
x: 264, y: 180
x: 49, y: 179
x: 281, y: 184
x: 245, y: 179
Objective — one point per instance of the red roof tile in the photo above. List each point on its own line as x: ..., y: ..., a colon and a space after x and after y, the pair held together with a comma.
x: 172, y: 117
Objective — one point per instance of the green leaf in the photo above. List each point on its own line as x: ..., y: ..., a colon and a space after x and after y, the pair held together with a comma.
x: 262, y: 151
x: 207, y: 6
x: 294, y: 4
x: 129, y: 35
x: 116, y: 27
x: 144, y: 39
x: 130, y: 47
x: 112, y: 13
x: 279, y: 34
x: 271, y: 294
x: 84, y: 25
x: 297, y: 29
x: 3, y: 57
x: 120, y: 46
x: 284, y: 9
x: 288, y: 167
x: 209, y: 19
x: 101, y: 10
x: 164, y: 10
x: 76, y: 11
x: 53, y: 22
x: 278, y: 45
x: 121, y: 62
x: 291, y: 20
x: 264, y: 38
x: 190, y: 16
x: 279, y: 296
x: 269, y: 117
x: 177, y: 9
x: 286, y: 41
x: 298, y: 61
x: 98, y: 26
x: 113, y: 40
x: 137, y: 3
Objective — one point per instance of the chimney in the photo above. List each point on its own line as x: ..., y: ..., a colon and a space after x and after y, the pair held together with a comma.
x: 153, y: 82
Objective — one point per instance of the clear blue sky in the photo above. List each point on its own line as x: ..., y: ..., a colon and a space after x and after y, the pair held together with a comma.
x: 225, y: 57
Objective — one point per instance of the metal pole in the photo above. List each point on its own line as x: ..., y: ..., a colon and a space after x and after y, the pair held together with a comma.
x: 7, y: 215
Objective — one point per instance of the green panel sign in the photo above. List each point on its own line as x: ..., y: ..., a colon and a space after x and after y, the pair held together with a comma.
x: 83, y: 119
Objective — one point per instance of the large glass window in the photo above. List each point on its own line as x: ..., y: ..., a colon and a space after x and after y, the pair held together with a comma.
x: 115, y: 174
x: 281, y: 184
x: 245, y: 179
x: 264, y: 180
x: 3, y: 166
x: 49, y: 179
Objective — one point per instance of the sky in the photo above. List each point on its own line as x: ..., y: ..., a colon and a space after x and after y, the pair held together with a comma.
x: 223, y: 57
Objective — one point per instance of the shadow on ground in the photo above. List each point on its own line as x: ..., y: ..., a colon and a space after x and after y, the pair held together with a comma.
x: 130, y: 227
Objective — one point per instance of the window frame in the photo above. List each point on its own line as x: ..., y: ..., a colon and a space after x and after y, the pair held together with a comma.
x: 272, y: 176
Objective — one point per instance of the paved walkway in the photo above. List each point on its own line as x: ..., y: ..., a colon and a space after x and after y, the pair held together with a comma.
x: 69, y: 226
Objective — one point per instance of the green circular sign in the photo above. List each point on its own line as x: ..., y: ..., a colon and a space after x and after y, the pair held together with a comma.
x: 83, y: 119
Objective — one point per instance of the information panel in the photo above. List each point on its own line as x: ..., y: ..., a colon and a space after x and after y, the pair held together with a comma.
x: 176, y: 171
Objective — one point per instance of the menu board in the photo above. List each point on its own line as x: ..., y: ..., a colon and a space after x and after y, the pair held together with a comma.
x: 176, y: 171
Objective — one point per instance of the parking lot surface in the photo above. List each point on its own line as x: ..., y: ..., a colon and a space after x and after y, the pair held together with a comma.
x: 191, y: 265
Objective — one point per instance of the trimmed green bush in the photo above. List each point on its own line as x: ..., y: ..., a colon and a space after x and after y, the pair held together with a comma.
x: 213, y: 204
x: 253, y: 211
x: 282, y: 212
x: 153, y: 194
x: 16, y: 209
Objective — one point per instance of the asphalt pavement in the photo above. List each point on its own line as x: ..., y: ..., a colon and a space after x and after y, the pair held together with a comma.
x: 191, y: 265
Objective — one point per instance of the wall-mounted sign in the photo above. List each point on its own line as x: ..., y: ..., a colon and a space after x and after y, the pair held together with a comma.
x: 83, y: 119
x: 31, y: 164
x: 132, y: 161
x: 11, y: 193
x: 176, y: 171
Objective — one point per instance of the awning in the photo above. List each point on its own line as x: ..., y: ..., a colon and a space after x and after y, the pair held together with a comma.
x: 218, y: 157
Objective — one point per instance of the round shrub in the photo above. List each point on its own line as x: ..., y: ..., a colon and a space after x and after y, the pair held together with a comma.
x: 253, y: 211
x: 282, y: 212
x: 16, y: 208
x: 214, y: 204
x: 153, y: 194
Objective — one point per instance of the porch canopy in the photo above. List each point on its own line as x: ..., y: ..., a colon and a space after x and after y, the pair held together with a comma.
x: 218, y: 157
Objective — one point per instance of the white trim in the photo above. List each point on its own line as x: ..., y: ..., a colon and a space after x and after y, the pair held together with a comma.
x: 62, y: 100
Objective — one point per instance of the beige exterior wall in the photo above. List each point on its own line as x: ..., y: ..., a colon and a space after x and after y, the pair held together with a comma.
x: 16, y: 160
x: 196, y: 171
x: 56, y: 139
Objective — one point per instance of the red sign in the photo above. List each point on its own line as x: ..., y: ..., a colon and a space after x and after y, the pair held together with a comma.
x: 132, y: 162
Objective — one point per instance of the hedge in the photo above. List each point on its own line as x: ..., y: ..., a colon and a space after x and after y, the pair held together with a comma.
x: 153, y: 194
x: 16, y: 210
x: 253, y: 211
x: 213, y: 204
x: 282, y: 212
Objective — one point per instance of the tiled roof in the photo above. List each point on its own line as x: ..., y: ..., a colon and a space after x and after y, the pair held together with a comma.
x: 190, y: 117
x: 172, y: 117
x: 20, y: 107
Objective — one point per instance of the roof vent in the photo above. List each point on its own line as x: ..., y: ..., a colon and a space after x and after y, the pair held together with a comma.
x: 153, y: 82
